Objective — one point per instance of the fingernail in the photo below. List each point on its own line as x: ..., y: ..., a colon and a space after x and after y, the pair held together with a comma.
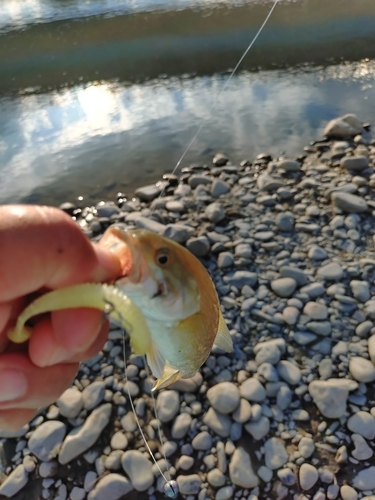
x: 109, y: 265
x: 13, y: 385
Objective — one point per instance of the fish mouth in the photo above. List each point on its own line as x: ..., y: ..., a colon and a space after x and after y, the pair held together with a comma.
x: 125, y: 245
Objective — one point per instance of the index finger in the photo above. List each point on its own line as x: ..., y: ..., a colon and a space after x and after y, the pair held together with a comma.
x: 43, y: 247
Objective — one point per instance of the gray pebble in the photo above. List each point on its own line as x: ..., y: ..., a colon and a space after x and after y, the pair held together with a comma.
x: 291, y: 315
x: 81, y: 439
x: 362, y: 423
x: 147, y: 193
x: 243, y: 250
x: 344, y: 127
x: 241, y: 471
x: 284, y: 287
x: 306, y: 447
x: 119, y: 441
x: 295, y: 273
x: 167, y: 405
x: 287, y: 476
x: 199, y: 246
x: 198, y: 179
x: 202, y: 441
x: 268, y: 372
x: 322, y: 328
x: 332, y: 271
x: 284, y: 397
x: 325, y: 368
x: 70, y: 403
x: 329, y: 397
x: 110, y: 487
x: 77, y: 493
x: 253, y: 390
x: 365, y: 479
x: 308, y: 476
x: 241, y: 278
x: 138, y: 468
x: 316, y: 311
x: 189, y: 485
x: 275, y: 453
x: 266, y: 182
x: 178, y: 232
x: 360, y: 290
x: 181, y: 426
x: 175, y: 206
x: 289, y: 372
x: 357, y: 163
x: 224, y: 493
x: 289, y: 165
x: 225, y: 259
x: 285, y: 222
x: 218, y: 188
x: 215, y: 212
x: 348, y: 493
x: 185, y: 462
x: 349, y: 202
x: 265, y: 473
x: 362, y: 450
x: 46, y: 440
x: 93, y: 395
x: 313, y: 290
x: 216, y: 478
x: 219, y: 423
x: 361, y: 369
x: 16, y: 480
x: 224, y: 397
x: 243, y: 412
x: 259, y: 429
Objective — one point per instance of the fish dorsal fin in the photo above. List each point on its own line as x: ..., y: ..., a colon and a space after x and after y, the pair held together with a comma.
x: 223, y: 338
x: 170, y: 376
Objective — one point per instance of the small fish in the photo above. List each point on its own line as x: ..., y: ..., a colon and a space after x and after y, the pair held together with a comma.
x: 177, y: 298
x: 165, y: 299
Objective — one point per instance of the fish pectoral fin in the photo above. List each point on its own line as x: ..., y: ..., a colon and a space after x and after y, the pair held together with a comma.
x: 170, y: 376
x: 156, y: 361
x: 223, y: 338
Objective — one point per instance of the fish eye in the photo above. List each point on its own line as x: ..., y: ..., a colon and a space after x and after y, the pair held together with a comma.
x: 163, y: 257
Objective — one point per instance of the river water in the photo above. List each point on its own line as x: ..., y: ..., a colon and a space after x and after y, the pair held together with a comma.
x: 102, y: 96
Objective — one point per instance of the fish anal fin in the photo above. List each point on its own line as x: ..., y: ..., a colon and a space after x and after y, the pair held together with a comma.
x: 223, y: 338
x: 170, y: 376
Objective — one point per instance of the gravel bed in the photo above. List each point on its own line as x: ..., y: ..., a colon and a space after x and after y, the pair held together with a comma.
x: 290, y: 414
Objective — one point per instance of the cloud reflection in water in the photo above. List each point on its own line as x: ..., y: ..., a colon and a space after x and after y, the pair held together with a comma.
x: 75, y: 140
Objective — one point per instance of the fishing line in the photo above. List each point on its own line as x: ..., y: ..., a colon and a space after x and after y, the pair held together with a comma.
x: 195, y: 136
x: 157, y: 418
x: 170, y: 487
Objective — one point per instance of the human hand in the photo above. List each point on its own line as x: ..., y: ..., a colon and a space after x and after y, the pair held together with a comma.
x: 42, y: 248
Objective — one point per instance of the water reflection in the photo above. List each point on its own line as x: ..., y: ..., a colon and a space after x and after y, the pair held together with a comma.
x: 18, y: 13
x: 100, y: 138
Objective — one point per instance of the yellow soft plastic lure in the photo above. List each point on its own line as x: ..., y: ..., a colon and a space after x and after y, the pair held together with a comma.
x: 106, y: 298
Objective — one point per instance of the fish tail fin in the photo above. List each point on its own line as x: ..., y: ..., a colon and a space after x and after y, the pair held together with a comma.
x: 223, y: 338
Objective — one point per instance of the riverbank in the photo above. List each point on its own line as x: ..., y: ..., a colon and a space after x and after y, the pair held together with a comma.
x: 290, y: 413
